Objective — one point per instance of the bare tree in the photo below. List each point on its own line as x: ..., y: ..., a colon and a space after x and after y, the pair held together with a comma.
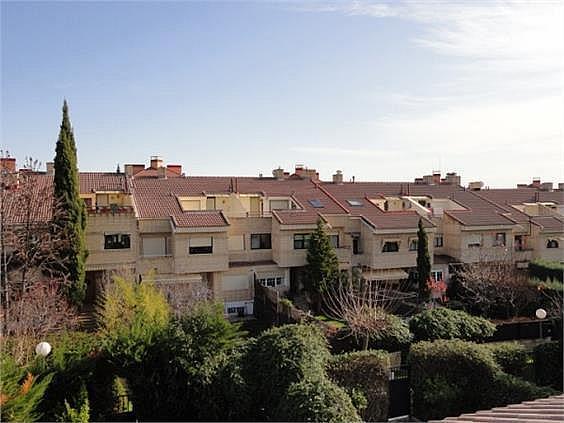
x: 183, y: 296
x: 365, y: 306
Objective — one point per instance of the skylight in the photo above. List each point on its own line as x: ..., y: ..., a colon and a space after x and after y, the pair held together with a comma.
x: 316, y: 203
x: 355, y: 203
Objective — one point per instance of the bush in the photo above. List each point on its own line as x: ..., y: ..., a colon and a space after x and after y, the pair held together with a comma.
x: 279, y: 357
x: 80, y: 414
x: 546, y: 270
x: 548, y: 364
x: 316, y: 400
x: 512, y: 357
x: 451, y: 377
x: 20, y: 392
x: 365, y: 373
x: 394, y: 336
x: 444, y: 323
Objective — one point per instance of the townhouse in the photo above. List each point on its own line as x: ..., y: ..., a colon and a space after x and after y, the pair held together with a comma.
x: 224, y: 233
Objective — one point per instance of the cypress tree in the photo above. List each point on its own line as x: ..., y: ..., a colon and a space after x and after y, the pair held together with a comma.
x: 70, y: 213
x: 323, y: 265
x: 423, y: 263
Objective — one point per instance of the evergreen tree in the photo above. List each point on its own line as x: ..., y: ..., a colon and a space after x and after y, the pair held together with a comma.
x: 70, y: 218
x: 323, y: 265
x: 423, y: 263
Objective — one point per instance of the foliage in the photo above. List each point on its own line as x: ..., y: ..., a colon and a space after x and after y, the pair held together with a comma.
x: 132, y: 316
x: 444, y: 323
x: 364, y: 372
x: 423, y: 263
x: 512, y: 357
x: 72, y: 224
x: 322, y: 264
x: 79, y: 414
x: 552, y: 295
x: 393, y: 335
x: 317, y: 400
x: 546, y: 270
x: 548, y: 364
x: 494, y: 289
x: 191, y: 370
x: 279, y: 357
x: 20, y: 392
x: 76, y: 363
x: 445, y: 374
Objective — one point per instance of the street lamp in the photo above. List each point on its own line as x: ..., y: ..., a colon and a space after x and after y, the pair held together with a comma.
x: 43, y: 349
x: 541, y: 314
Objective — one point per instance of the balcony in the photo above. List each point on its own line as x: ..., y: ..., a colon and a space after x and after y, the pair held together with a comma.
x: 110, y: 210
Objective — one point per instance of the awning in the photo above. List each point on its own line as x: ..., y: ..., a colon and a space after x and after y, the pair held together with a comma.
x: 384, y: 274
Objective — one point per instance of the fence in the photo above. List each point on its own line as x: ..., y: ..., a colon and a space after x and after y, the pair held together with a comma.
x: 528, y: 330
x: 400, y: 394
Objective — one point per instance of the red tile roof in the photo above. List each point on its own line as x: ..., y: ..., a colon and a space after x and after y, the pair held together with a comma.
x: 544, y: 410
x: 103, y: 181
x: 196, y: 219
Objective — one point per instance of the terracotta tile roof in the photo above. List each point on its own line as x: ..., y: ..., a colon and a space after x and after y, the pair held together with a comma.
x: 480, y: 211
x: 375, y: 189
x: 154, y: 173
x: 549, y: 223
x: 522, y: 195
x: 103, y: 181
x: 39, y: 205
x: 544, y: 410
x: 196, y: 219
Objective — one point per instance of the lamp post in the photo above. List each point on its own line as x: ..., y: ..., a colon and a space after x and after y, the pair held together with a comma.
x: 541, y: 314
x: 43, y: 349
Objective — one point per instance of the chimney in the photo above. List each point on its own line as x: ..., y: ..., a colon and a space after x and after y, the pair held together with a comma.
x: 8, y: 164
x: 156, y: 162
x: 452, y: 178
x: 561, y: 186
x: 133, y: 169
x: 338, y: 177
x: 278, y: 173
x: 304, y: 173
x: 475, y: 186
x: 175, y: 169
x: 546, y: 186
x: 536, y: 183
x: 436, y: 177
x: 428, y: 179
x: 161, y: 172
x: 50, y: 168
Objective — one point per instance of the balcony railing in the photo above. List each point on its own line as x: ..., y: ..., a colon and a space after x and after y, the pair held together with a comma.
x: 110, y: 210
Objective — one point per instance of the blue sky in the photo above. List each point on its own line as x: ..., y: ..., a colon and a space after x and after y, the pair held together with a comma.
x: 382, y: 91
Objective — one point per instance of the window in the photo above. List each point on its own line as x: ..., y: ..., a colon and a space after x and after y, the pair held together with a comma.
x: 390, y: 247
x: 316, y: 203
x: 239, y: 311
x: 117, y: 241
x: 279, y: 204
x: 279, y: 281
x: 438, y: 241
x: 437, y: 275
x: 413, y: 244
x: 552, y: 243
x: 201, y: 245
x: 156, y: 246
x: 334, y: 240
x: 260, y: 242
x: 499, y: 239
x: 301, y: 241
x: 357, y: 248
x: 355, y: 203
x: 271, y: 282
x: 474, y: 241
x: 210, y: 203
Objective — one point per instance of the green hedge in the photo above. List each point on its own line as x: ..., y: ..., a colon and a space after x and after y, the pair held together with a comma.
x: 512, y: 357
x: 364, y: 372
x: 316, y: 400
x: 278, y: 358
x: 451, y: 377
x: 444, y: 323
x: 548, y: 364
x: 546, y: 270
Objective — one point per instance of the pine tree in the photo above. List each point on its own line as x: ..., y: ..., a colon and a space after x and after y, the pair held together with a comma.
x: 323, y: 265
x: 423, y: 263
x: 72, y: 221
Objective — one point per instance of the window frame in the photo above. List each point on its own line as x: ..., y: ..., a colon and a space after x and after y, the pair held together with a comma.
x: 264, y: 240
x: 413, y: 241
x: 552, y: 243
x: 387, y: 250
x: 120, y: 235
x: 331, y: 238
x: 200, y: 249
x: 500, y: 241
x: 304, y: 241
x: 437, y: 243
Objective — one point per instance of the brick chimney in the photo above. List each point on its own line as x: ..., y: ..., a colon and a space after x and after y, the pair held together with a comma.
x: 278, y: 173
x: 50, y: 168
x: 338, y: 177
x: 133, y: 169
x: 536, y: 183
x: 161, y: 172
x: 8, y: 164
x: 175, y: 169
x: 156, y: 162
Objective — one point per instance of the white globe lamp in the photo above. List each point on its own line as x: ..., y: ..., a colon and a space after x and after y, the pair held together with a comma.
x: 540, y: 313
x: 43, y: 349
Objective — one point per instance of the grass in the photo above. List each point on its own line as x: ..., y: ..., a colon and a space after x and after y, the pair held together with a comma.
x: 335, y: 323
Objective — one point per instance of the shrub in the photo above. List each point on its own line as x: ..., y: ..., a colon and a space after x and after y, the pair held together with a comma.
x: 279, y: 357
x: 512, y: 357
x: 444, y: 323
x: 365, y: 373
x: 394, y: 335
x: 80, y: 414
x: 20, y: 392
x: 546, y: 270
x: 317, y: 400
x: 451, y: 377
x: 548, y: 364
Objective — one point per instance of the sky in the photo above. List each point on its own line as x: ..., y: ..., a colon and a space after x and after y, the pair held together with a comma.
x: 385, y: 91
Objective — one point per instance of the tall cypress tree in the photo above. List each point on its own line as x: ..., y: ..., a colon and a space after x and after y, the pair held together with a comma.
x: 323, y: 265
x: 423, y: 263
x: 70, y: 215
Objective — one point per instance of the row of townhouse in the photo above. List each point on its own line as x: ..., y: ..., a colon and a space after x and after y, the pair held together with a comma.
x: 226, y: 232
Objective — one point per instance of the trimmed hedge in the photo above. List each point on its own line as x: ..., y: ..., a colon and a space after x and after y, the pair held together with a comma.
x: 512, y: 357
x: 548, y: 364
x: 364, y: 372
x: 316, y: 400
x: 451, y: 377
x: 444, y: 323
x: 546, y: 270
x: 278, y: 358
